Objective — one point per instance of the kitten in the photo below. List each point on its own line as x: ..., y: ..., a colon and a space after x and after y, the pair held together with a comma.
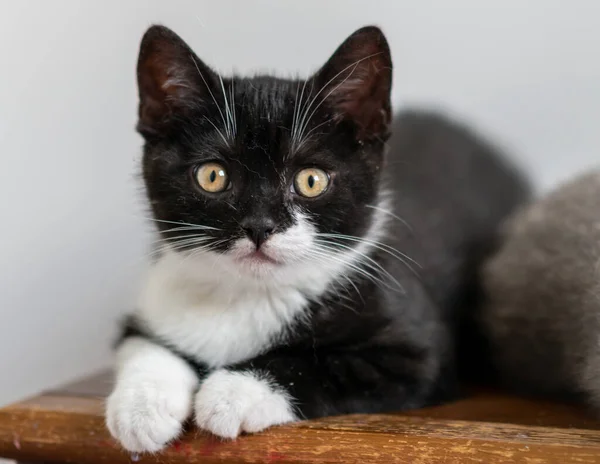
x: 304, y: 272
x: 542, y: 311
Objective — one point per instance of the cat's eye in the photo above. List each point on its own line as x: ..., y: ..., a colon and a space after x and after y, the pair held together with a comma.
x: 212, y: 177
x: 311, y: 182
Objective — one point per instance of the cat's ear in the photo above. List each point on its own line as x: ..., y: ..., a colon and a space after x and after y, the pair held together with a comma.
x: 171, y: 79
x: 357, y: 82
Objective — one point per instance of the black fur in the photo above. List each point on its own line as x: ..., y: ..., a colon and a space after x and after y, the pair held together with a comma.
x: 378, y: 349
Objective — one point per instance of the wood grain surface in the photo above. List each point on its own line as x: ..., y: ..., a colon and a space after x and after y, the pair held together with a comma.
x: 66, y: 425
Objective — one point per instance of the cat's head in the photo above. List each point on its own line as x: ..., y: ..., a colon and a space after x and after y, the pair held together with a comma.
x: 262, y: 172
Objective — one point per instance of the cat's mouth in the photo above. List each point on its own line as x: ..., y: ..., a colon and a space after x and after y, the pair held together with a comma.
x: 258, y: 257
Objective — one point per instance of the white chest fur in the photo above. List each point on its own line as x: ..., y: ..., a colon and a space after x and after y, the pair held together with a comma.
x: 212, y: 316
x: 210, y: 310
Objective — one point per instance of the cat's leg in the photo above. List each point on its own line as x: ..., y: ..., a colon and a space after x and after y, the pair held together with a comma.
x: 152, y: 396
x: 284, y: 387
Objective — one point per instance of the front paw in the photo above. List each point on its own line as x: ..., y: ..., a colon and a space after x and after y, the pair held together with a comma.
x: 229, y: 403
x: 145, y: 416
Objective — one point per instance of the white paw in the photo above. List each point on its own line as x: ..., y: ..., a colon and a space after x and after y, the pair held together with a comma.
x: 145, y: 416
x: 229, y: 403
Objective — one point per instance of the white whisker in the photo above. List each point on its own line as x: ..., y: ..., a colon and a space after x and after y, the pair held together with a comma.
x: 304, y: 121
x: 210, y: 92
x: 179, y: 223
x: 179, y: 237
x: 363, y: 258
x: 232, y: 93
x: 389, y: 213
x: 307, y: 136
x: 190, y: 228
x: 375, y: 244
x: 203, y: 249
x: 182, y: 243
x: 349, y: 280
x: 330, y: 253
x: 296, y: 104
x: 295, y: 134
x: 229, y: 128
x: 217, y: 129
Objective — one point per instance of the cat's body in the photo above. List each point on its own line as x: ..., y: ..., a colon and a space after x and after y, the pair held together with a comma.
x: 316, y: 275
x: 542, y: 311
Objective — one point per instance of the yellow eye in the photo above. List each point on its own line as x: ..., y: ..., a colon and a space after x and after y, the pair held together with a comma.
x: 212, y: 177
x: 311, y: 182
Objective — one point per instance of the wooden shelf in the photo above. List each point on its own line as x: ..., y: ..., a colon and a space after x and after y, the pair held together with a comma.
x: 67, y: 425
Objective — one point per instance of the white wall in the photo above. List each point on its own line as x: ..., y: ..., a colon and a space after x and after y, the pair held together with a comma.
x: 72, y: 239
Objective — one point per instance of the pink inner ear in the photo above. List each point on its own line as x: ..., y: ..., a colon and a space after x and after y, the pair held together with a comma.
x: 165, y: 86
x: 160, y: 79
x: 363, y: 96
x: 153, y: 94
x: 169, y: 79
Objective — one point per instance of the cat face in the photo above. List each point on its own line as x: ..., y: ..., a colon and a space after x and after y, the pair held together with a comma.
x: 262, y: 171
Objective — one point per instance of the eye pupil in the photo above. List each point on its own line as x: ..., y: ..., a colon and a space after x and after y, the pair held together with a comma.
x: 311, y: 182
x: 212, y: 178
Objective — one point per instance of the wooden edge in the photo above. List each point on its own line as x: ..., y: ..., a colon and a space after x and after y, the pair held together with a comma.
x: 478, y: 405
x: 58, y: 428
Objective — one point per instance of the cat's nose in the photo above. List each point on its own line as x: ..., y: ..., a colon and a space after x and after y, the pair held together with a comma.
x: 258, y: 230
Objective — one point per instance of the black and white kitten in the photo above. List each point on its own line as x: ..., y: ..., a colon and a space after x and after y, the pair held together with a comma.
x: 304, y: 272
